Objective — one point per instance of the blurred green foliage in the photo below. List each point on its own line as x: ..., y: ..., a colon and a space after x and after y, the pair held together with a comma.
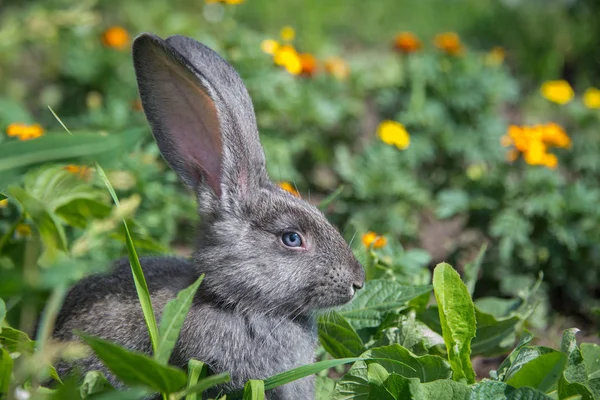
x: 448, y: 193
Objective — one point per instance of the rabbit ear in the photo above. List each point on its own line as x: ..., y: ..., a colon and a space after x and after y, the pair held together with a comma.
x: 200, y: 113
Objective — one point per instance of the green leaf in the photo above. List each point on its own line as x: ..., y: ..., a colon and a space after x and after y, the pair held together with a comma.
x: 323, y: 388
x: 135, y: 368
x: 196, y: 370
x: 394, y: 359
x: 129, y: 394
x: 172, y: 320
x: 376, y: 299
x: 444, y: 390
x: 494, y: 335
x: 6, y: 366
x: 94, y: 382
x: 17, y: 155
x: 591, y: 359
x: 541, y: 373
x: 525, y: 355
x: 525, y: 339
x: 574, y: 380
x: 136, y: 269
x: 487, y: 390
x: 457, y: 317
x: 15, y: 341
x: 304, y: 371
x: 338, y: 337
x: 254, y: 390
x: 205, y: 384
x: 410, y: 334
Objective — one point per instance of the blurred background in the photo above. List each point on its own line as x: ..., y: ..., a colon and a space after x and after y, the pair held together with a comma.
x: 428, y: 131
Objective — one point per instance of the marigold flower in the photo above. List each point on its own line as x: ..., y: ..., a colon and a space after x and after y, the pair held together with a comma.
x: 233, y: 2
x: 308, y: 63
x: 554, y: 135
x: 373, y: 239
x: 449, y: 42
x: 394, y: 133
x: 337, y: 67
x: 269, y: 46
x: 407, y: 42
x: 289, y: 188
x: 559, y: 91
x: 81, y: 170
x: 591, y: 98
x: 3, y: 203
x: 533, y: 142
x: 23, y: 230
x: 287, y: 33
x: 495, y: 56
x: 24, y: 131
x: 116, y: 37
x: 287, y: 57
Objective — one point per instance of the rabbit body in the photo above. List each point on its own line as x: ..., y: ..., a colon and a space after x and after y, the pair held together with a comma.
x: 249, y: 346
x: 270, y: 259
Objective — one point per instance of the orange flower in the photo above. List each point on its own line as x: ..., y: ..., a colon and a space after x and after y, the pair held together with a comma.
x: 449, y: 42
x: 81, y: 170
x: 289, y: 188
x: 533, y: 142
x: 24, y: 131
x: 407, y: 42
x: 371, y: 238
x: 308, y: 63
x: 337, y: 67
x: 116, y: 37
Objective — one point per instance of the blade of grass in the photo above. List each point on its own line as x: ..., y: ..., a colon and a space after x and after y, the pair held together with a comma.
x: 196, y: 370
x: 136, y: 269
x: 204, y: 384
x: 60, y: 121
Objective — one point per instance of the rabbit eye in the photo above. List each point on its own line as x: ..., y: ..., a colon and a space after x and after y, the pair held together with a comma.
x: 291, y: 239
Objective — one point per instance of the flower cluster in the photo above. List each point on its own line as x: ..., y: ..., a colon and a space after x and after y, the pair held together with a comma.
x: 296, y: 63
x: 534, y: 141
x: 448, y: 42
x: 373, y: 239
x: 24, y: 131
x: 561, y: 92
x: 116, y: 37
x: 394, y: 133
x: 407, y: 42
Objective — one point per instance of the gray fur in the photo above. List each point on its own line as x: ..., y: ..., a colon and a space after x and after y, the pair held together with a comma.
x: 254, y: 314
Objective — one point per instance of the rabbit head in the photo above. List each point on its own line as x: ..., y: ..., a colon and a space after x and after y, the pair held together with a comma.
x: 262, y: 248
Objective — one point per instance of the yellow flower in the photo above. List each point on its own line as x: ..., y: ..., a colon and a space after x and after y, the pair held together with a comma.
x: 116, y: 37
x: 269, y: 46
x: 591, y: 98
x: 394, y: 133
x: 23, y: 230
x: 337, y: 67
x: 559, y: 92
x: 3, y: 203
x: 495, y: 56
x: 24, y: 131
x: 287, y: 57
x: 550, y: 160
x: 554, y: 135
x: 534, y: 141
x: 449, y: 42
x: 535, y: 153
x: 289, y: 188
x: 407, y: 42
x: 309, y: 64
x: 371, y: 238
x: 287, y: 33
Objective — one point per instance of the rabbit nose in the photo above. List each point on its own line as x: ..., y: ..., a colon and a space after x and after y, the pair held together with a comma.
x: 357, y: 285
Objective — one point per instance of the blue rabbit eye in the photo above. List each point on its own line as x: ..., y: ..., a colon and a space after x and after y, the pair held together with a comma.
x: 291, y: 239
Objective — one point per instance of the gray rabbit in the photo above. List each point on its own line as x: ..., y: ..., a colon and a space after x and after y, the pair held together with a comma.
x: 271, y: 259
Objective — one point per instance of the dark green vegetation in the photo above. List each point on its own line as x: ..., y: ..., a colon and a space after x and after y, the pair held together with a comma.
x: 445, y: 197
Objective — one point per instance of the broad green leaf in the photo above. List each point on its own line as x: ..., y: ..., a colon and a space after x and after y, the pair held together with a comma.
x: 6, y: 366
x: 304, y: 371
x: 524, y: 356
x: 18, y: 155
x: 457, y: 317
x: 338, y: 337
x: 494, y: 335
x: 377, y: 298
x: 395, y: 359
x: 204, y: 384
x: 254, y: 390
x: 172, y: 320
x: 15, y: 340
x: 323, y: 388
x: 94, y: 382
x: 135, y: 368
x: 410, y: 334
x: 136, y: 269
x: 574, y: 380
x: 541, y: 373
x: 591, y: 359
x: 196, y: 370
x: 129, y: 394
x: 524, y: 340
x: 488, y: 390
x: 443, y: 390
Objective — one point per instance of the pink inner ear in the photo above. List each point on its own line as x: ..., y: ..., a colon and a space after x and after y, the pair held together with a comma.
x: 191, y: 121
